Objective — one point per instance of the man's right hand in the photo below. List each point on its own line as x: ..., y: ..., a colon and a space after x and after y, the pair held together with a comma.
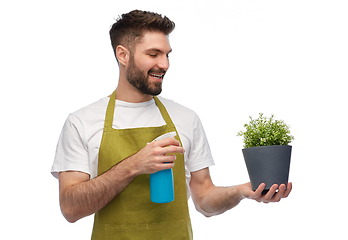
x: 155, y: 156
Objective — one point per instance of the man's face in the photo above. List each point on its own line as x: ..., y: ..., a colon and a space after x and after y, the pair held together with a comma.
x: 149, y: 63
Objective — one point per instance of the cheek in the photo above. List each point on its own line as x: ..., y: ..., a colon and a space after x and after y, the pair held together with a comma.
x: 146, y: 65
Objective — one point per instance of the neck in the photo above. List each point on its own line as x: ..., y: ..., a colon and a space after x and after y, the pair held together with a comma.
x: 131, y: 97
x: 127, y: 93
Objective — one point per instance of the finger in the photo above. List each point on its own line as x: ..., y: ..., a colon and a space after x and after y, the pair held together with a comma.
x: 260, y: 189
x: 279, y: 195
x: 267, y: 198
x: 169, y: 158
x: 165, y: 166
x: 166, y: 162
x: 288, y: 190
x: 167, y: 142
x: 164, y: 159
x: 172, y: 149
x: 258, y: 192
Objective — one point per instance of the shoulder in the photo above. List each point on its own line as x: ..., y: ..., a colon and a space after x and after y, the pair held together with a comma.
x: 89, y: 119
x: 92, y: 114
x: 98, y: 107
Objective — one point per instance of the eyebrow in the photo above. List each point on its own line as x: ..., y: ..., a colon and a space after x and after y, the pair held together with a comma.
x: 156, y: 50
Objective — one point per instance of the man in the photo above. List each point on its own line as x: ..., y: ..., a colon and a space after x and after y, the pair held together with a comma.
x: 106, y: 150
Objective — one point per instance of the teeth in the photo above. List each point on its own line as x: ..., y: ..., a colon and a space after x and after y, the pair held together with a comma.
x: 157, y: 75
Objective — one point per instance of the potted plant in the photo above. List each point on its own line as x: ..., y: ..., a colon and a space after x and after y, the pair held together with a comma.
x: 266, y: 151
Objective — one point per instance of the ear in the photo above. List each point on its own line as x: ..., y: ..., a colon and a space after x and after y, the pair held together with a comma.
x: 122, y: 54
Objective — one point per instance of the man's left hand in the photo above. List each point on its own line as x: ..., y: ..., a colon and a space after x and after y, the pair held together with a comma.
x: 271, y: 196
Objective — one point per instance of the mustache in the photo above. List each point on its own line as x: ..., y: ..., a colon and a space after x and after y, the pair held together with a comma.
x: 158, y: 71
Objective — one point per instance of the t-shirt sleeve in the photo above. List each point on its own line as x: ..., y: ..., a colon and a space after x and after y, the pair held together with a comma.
x: 72, y: 151
x: 200, y: 155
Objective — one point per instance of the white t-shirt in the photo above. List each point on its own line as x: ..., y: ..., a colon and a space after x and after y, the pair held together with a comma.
x: 78, y: 145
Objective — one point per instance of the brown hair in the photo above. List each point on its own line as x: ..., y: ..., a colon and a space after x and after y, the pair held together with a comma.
x: 129, y: 28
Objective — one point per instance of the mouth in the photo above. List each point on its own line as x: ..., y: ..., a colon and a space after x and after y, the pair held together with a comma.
x: 157, y: 76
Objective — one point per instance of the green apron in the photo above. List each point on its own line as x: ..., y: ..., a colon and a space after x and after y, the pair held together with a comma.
x: 132, y: 215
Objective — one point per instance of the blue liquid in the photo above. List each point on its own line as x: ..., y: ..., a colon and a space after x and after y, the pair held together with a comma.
x: 162, y: 186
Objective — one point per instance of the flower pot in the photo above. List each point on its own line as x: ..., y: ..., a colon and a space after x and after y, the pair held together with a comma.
x: 268, y: 164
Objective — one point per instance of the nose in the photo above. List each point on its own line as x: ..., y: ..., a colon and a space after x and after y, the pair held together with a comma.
x: 163, y: 63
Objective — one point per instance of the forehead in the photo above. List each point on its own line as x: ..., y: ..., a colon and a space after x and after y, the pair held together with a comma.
x: 154, y: 40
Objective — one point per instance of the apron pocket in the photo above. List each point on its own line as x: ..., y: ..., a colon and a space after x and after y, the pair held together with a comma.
x: 163, y: 230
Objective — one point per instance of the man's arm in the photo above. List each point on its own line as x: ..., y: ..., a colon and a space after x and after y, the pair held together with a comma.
x: 79, y: 196
x: 211, y: 200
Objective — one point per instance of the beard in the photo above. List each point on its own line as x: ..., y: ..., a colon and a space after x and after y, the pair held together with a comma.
x: 140, y: 79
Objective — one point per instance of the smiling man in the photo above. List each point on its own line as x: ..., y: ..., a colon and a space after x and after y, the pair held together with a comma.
x: 152, y: 53
x: 106, y: 150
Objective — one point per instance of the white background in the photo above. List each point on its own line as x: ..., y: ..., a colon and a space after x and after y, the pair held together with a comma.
x: 230, y: 59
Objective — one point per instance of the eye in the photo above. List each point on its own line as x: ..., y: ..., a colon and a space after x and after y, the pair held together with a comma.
x: 153, y: 55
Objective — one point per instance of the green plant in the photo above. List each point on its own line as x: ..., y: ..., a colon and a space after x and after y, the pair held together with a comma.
x: 265, y: 131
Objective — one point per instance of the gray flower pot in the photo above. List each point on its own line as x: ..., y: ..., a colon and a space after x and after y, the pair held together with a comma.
x: 268, y: 164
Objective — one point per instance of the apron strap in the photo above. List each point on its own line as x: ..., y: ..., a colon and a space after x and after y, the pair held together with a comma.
x: 109, y: 116
x: 164, y: 112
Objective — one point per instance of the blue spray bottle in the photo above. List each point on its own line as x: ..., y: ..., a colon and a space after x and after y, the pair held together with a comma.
x: 162, y: 182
